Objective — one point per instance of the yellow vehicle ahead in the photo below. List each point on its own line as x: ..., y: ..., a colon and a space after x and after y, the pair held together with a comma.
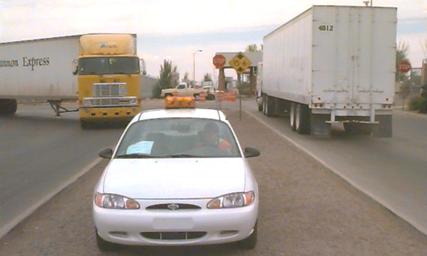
x: 108, y: 77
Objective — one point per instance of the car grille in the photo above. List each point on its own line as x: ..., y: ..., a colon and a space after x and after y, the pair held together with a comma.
x: 109, y: 89
x: 173, y: 235
x: 173, y: 207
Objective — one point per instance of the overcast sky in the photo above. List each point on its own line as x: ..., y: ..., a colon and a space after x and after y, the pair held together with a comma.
x: 174, y: 29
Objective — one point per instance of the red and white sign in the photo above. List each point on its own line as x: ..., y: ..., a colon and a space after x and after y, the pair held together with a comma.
x: 219, y: 61
x: 404, y: 66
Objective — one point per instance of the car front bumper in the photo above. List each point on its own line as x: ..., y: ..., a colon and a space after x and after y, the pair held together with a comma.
x: 179, y: 227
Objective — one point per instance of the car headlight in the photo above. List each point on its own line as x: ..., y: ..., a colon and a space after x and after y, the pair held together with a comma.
x: 112, y: 201
x: 232, y: 200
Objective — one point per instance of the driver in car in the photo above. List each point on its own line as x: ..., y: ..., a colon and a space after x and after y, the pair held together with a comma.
x: 210, y: 137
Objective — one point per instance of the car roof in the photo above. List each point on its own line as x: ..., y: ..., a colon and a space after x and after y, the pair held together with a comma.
x: 180, y: 113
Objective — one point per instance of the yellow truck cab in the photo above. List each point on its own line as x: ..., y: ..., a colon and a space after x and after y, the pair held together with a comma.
x: 108, y: 75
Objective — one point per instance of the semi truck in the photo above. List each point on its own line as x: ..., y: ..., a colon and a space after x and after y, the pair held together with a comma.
x: 99, y: 71
x: 332, y: 65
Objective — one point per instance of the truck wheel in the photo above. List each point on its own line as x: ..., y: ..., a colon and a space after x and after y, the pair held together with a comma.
x: 196, y: 96
x: 8, y: 107
x: 264, y: 104
x: 318, y: 125
x: 301, y: 119
x: 167, y: 95
x: 259, y: 107
x: 268, y: 107
x: 292, y: 115
x: 385, y: 127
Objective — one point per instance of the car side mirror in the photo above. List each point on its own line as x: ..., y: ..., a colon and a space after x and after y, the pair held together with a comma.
x: 106, y: 153
x: 251, y: 152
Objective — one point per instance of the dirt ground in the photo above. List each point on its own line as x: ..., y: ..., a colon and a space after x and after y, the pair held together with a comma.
x: 304, y: 210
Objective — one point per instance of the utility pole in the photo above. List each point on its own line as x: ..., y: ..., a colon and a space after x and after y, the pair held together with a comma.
x: 194, y: 63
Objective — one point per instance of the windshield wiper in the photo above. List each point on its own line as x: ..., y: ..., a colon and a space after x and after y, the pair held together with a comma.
x: 136, y: 155
x: 183, y: 156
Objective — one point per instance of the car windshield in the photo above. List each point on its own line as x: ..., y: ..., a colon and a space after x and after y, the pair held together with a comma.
x: 178, y: 137
x: 106, y: 65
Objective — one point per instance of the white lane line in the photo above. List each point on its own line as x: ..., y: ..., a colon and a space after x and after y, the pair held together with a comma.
x: 419, y: 225
x: 9, y: 226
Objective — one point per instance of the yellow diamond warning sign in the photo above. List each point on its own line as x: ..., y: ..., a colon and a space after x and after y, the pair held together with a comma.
x: 240, y: 63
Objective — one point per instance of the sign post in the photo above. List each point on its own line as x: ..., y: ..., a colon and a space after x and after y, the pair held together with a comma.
x: 218, y: 61
x: 240, y: 63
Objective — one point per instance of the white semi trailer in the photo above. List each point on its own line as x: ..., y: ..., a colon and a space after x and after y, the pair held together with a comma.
x: 332, y: 64
x: 38, y: 70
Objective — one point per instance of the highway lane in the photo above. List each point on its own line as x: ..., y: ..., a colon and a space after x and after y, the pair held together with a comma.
x: 305, y: 209
x: 391, y: 170
x: 39, y: 152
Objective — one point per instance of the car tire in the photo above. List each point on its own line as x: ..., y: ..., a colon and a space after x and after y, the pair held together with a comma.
x: 249, y: 243
x: 103, y: 245
x: 210, y: 97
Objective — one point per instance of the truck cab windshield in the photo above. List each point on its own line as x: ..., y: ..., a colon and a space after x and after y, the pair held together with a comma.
x: 108, y: 65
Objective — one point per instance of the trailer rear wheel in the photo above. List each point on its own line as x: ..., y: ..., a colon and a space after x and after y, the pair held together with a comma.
x: 268, y: 105
x: 8, y: 106
x: 302, y: 119
x: 292, y: 115
x: 260, y: 106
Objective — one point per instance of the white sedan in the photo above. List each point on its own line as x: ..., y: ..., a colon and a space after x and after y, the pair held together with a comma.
x: 177, y: 177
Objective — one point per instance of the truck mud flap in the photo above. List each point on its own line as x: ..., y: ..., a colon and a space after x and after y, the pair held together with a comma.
x: 319, y: 125
x: 385, y: 127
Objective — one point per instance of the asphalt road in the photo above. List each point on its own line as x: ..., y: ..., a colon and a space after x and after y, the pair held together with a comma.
x: 38, y: 153
x: 391, y: 170
x: 305, y: 209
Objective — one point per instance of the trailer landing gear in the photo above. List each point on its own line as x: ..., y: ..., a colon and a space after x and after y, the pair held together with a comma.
x: 58, y: 108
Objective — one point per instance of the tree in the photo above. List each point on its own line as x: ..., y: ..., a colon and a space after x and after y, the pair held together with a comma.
x: 167, y: 70
x: 251, y: 48
x: 207, y: 77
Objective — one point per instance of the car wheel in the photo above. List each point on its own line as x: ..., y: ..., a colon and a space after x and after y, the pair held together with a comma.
x: 104, y: 245
x: 250, y: 242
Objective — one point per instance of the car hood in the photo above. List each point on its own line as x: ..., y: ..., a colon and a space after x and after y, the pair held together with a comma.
x: 175, y: 178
